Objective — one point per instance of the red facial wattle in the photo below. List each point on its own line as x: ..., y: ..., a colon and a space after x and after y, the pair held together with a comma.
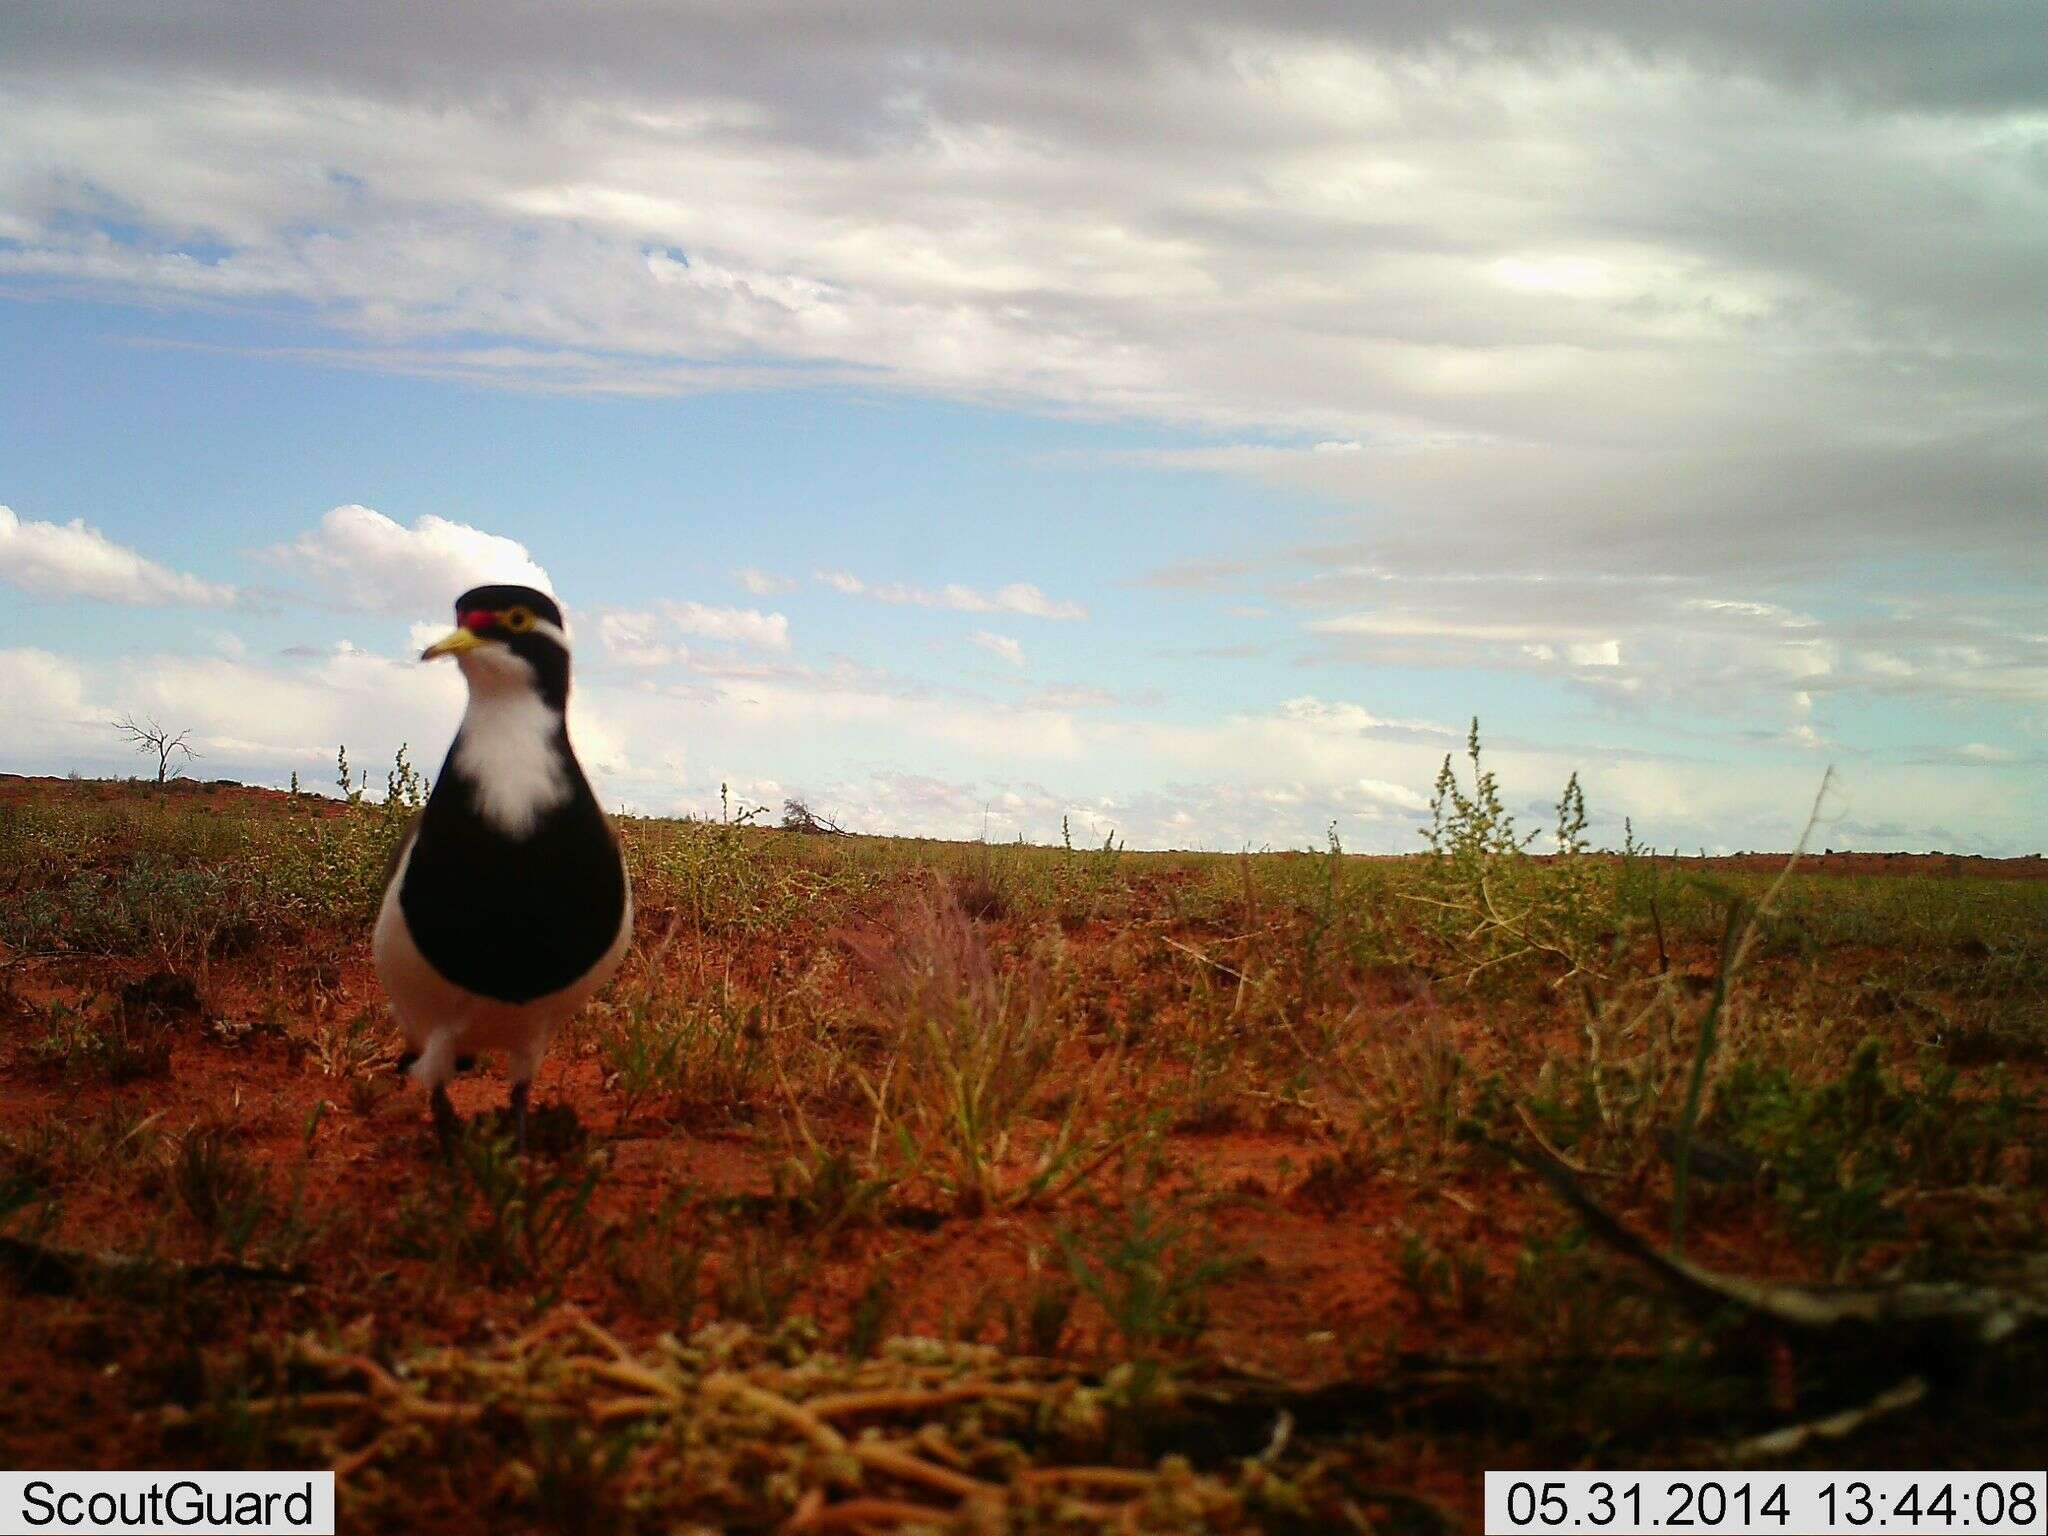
x: 477, y: 620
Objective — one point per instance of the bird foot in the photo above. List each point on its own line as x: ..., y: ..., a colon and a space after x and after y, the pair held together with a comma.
x: 447, y: 1124
x: 519, y: 1094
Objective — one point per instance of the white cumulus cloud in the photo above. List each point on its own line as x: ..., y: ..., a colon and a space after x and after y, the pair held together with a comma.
x: 42, y: 695
x: 376, y: 563
x: 72, y: 560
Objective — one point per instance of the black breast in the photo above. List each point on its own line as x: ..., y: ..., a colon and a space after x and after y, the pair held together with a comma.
x: 513, y: 920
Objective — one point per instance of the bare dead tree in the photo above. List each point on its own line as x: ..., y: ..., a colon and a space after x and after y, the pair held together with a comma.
x: 149, y: 739
x: 797, y: 816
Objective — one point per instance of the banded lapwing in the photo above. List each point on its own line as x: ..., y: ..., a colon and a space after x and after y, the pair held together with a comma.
x: 507, y: 905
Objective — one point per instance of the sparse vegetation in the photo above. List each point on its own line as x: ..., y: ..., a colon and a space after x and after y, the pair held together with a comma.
x: 866, y: 1122
x: 501, y: 1220
x: 1150, y: 1274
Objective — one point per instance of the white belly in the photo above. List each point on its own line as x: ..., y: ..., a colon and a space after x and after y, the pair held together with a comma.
x: 442, y: 1021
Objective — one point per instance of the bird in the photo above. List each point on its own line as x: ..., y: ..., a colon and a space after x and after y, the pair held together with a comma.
x: 507, y: 904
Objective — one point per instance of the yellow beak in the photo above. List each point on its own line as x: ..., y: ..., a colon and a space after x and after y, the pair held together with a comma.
x: 453, y: 644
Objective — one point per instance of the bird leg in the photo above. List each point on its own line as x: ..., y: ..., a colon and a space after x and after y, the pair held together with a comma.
x: 447, y: 1123
x: 519, y: 1092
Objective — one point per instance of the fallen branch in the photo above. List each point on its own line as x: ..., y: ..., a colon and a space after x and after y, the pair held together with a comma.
x: 1536, y: 1135
x: 1188, y: 949
x: 1868, y: 1328
x: 1794, y: 1438
x: 1991, y: 1313
x: 46, y: 1270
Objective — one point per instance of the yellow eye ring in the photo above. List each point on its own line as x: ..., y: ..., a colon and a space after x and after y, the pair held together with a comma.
x: 518, y: 620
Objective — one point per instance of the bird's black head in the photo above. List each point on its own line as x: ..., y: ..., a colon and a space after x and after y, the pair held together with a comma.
x: 509, y: 636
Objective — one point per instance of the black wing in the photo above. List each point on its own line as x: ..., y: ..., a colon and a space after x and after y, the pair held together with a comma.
x: 514, y: 920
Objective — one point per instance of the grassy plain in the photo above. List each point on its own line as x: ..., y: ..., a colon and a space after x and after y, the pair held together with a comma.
x: 899, y: 1185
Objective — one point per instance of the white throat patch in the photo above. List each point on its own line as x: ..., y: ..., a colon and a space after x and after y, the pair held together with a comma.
x: 506, y: 749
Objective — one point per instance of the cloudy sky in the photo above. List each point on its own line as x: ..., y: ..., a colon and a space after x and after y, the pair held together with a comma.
x: 1180, y: 418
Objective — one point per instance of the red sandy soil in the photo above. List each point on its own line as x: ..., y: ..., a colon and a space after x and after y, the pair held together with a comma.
x: 205, y: 795
x: 1320, y: 1296
x: 1321, y: 1285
